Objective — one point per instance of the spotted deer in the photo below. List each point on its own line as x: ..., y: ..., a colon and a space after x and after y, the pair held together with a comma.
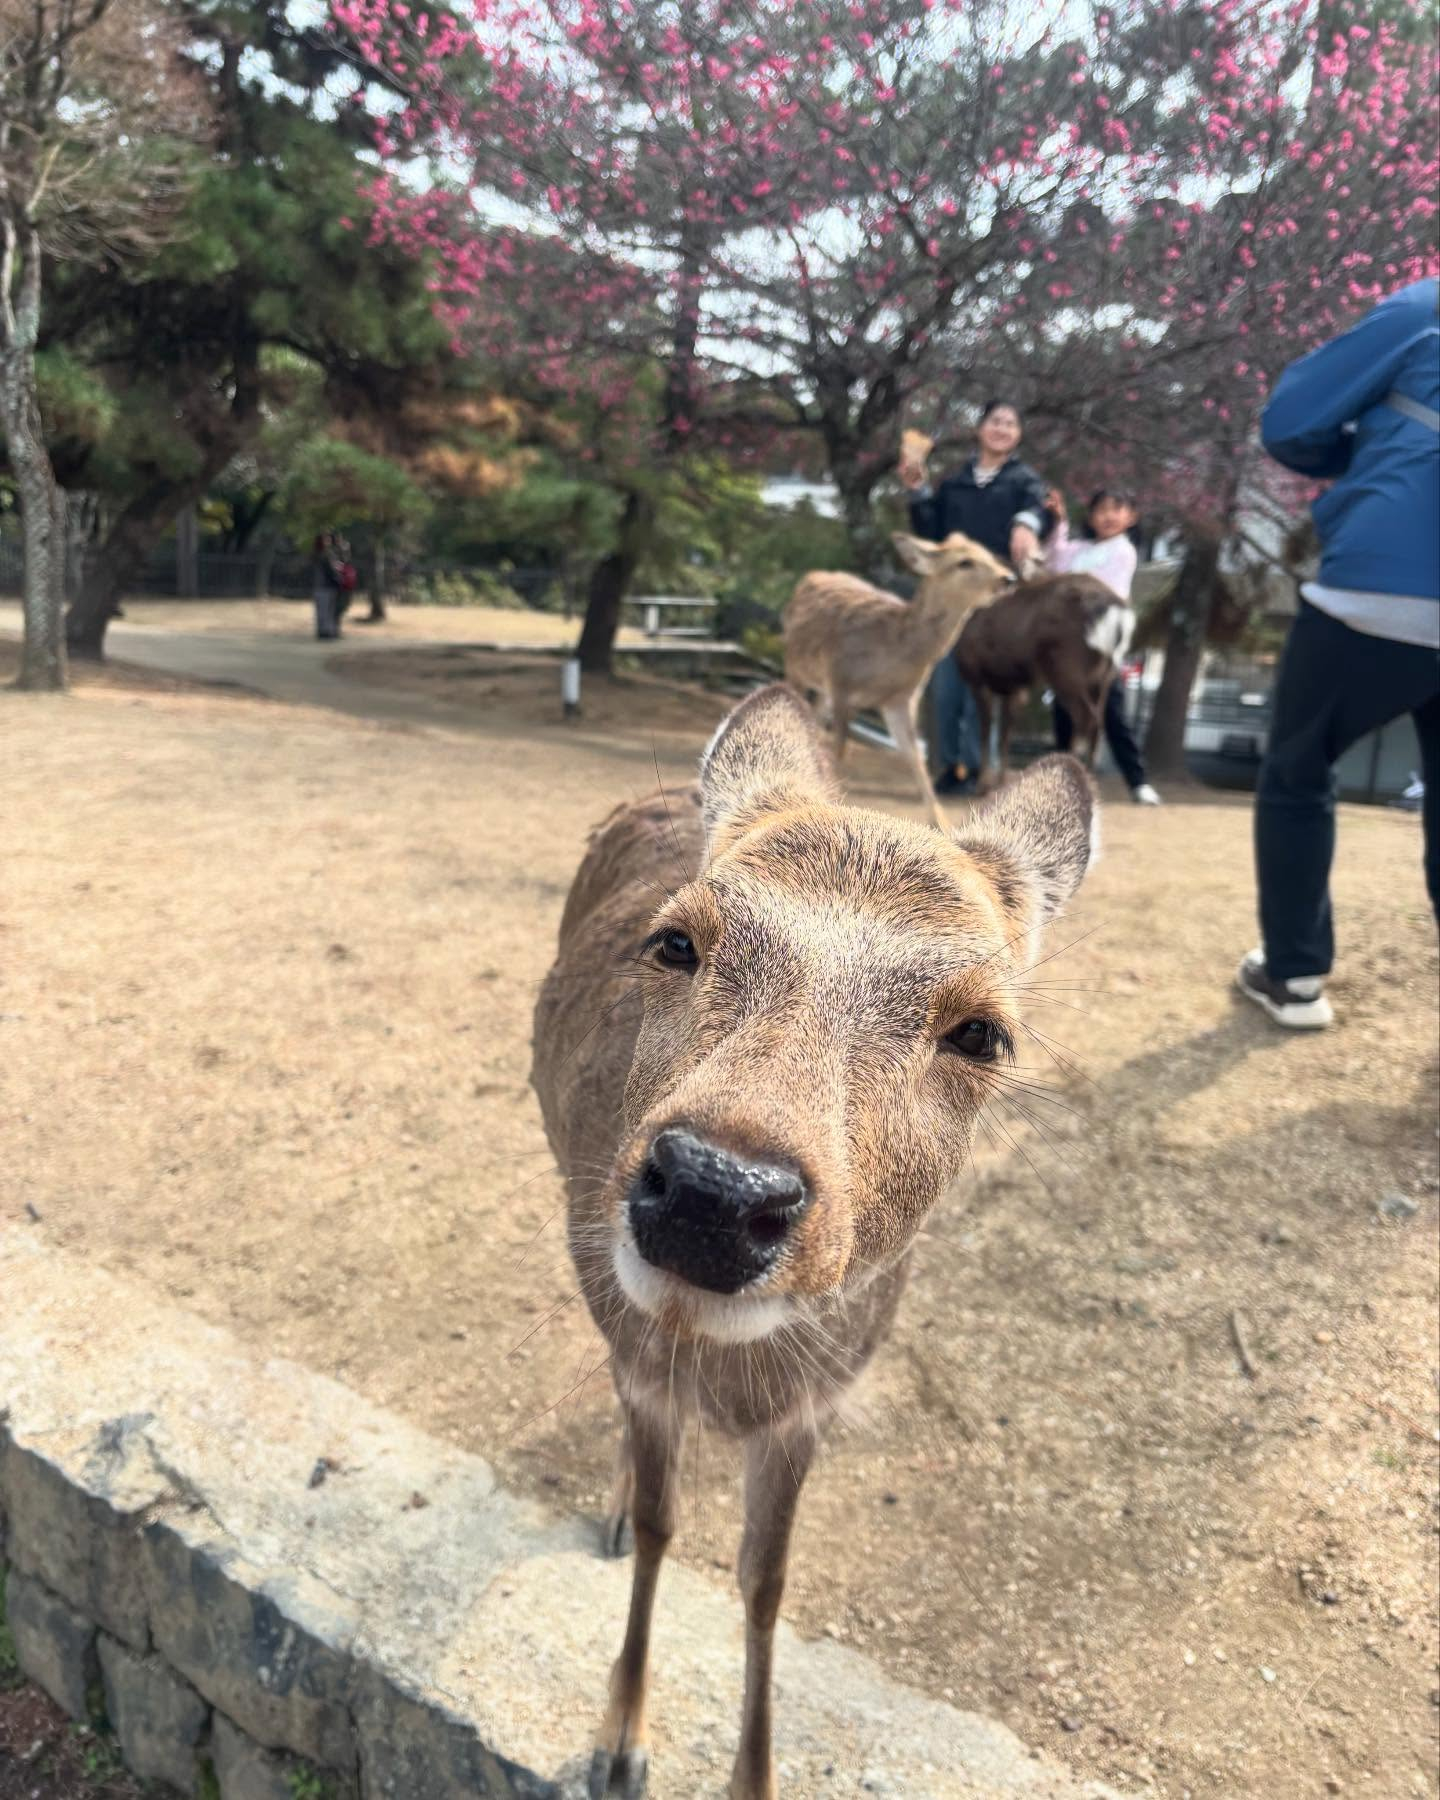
x: 756, y: 1093
x: 1069, y: 633
x: 859, y: 646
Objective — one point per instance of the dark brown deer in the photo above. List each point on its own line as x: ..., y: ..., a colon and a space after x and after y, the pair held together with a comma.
x: 756, y: 1093
x: 1066, y: 632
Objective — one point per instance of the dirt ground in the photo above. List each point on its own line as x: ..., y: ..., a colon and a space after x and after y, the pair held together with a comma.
x: 267, y: 982
x: 405, y: 624
x: 43, y: 1755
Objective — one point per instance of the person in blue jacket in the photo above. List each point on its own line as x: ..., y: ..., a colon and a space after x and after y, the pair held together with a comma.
x: 999, y: 501
x: 1364, y: 412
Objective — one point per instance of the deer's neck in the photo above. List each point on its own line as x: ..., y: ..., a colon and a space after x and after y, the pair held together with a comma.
x: 938, y: 611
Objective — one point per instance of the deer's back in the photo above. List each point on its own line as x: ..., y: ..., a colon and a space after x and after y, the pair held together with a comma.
x: 1020, y: 635
x: 825, y: 609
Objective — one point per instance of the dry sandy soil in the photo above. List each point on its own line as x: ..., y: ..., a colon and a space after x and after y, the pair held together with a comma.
x: 267, y: 982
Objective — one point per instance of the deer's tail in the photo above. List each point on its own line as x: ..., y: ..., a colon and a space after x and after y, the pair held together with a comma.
x: 1109, y: 629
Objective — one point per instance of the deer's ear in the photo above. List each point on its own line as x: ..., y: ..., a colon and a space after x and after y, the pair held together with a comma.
x: 766, y: 754
x: 1036, y: 838
x: 915, y: 553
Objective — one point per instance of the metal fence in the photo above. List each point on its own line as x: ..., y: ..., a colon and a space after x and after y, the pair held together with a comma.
x: 287, y: 575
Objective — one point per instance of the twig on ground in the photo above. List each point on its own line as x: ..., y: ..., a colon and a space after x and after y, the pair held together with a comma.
x: 1242, y: 1345
x: 1394, y: 1414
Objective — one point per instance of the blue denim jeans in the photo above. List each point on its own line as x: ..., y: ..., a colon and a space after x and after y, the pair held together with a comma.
x: 957, y: 719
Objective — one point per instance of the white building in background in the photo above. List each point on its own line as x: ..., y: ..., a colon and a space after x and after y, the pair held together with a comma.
x: 785, y: 492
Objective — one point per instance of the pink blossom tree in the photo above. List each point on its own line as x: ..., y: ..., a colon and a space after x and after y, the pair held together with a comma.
x: 1311, y: 194
x: 749, y: 219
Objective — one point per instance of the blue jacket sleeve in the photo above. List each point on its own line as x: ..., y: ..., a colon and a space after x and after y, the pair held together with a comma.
x: 1320, y: 396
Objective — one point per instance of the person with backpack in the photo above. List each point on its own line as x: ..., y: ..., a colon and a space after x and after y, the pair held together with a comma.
x: 349, y: 577
x: 1362, y: 411
x: 326, y: 586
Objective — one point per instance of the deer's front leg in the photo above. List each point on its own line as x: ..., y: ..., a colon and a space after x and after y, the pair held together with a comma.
x: 775, y: 1471
x: 618, y: 1537
x: 621, y: 1759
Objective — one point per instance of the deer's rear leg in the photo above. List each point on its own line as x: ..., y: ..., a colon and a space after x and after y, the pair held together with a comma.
x: 775, y: 1471
x: 621, y: 1760
x: 1007, y: 725
x: 984, y: 711
x: 1089, y: 717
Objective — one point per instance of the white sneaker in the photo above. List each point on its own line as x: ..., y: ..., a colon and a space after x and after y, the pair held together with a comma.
x: 1144, y: 795
x: 1298, y: 1004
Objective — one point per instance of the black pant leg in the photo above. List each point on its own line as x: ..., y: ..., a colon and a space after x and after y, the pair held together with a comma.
x: 1334, y: 687
x: 1121, y: 738
x: 1427, y: 729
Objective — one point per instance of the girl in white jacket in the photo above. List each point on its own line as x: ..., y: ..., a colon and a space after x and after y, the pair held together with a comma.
x: 1110, y: 556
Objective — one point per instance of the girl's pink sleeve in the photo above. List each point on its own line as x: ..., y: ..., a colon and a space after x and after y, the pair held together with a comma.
x: 1060, y: 552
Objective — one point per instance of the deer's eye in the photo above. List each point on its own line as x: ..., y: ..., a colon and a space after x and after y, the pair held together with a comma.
x: 676, y: 951
x: 980, y: 1040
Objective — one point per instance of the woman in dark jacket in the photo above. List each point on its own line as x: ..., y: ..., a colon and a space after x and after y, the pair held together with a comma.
x: 1000, y: 502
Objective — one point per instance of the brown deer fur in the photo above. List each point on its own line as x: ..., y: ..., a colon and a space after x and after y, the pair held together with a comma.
x: 813, y: 1038
x: 859, y: 646
x: 1066, y: 632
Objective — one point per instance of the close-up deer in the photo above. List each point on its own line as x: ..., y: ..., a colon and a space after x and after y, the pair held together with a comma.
x: 858, y: 646
x: 756, y: 1093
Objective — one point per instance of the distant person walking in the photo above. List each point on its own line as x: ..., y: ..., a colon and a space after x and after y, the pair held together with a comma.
x: 1000, y: 502
x: 326, y: 586
x: 1363, y: 410
x: 1108, y: 553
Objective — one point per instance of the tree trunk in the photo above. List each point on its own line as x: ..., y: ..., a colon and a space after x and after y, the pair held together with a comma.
x: 82, y: 527
x: 1184, y: 645
x: 187, y: 553
x: 140, y: 524
x: 132, y: 537
x: 610, y: 582
x: 42, y: 664
x: 376, y: 615
x: 868, y: 545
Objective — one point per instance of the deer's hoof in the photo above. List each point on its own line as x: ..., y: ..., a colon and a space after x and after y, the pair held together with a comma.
x: 619, y: 1777
x: 618, y: 1535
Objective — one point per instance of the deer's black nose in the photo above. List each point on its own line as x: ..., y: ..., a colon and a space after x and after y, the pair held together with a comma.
x: 716, y: 1219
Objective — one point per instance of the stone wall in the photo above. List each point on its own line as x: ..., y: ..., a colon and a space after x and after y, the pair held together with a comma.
x: 274, y: 1590
x: 213, y: 1679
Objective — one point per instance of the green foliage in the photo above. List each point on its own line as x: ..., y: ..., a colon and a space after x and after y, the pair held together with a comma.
x: 75, y: 402
x: 333, y: 485
x: 307, y: 1783
x: 269, y: 315
x: 716, y: 536
x: 475, y: 587
x: 207, y: 1784
x: 763, y: 644
x: 99, y: 1753
x: 551, y: 514
x: 784, y: 546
